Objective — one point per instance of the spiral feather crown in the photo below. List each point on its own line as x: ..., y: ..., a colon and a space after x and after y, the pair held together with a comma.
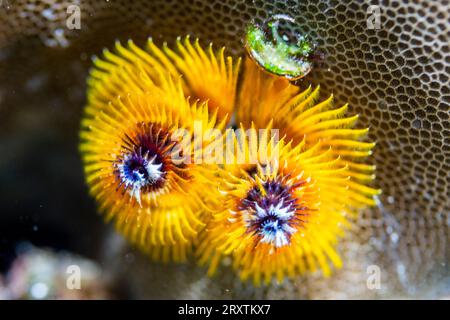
x: 276, y: 217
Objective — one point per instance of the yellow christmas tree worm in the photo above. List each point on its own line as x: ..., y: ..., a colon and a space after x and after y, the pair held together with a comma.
x: 285, y: 218
x: 205, y: 74
x: 278, y: 216
x: 299, y: 116
x: 128, y: 145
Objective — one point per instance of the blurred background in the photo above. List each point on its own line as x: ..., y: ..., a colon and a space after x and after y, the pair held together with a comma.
x: 389, y: 59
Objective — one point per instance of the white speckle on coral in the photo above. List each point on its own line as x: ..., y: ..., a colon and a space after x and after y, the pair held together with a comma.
x: 48, y: 14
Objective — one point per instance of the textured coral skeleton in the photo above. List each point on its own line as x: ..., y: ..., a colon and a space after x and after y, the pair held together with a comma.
x: 395, y: 78
x: 276, y: 218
